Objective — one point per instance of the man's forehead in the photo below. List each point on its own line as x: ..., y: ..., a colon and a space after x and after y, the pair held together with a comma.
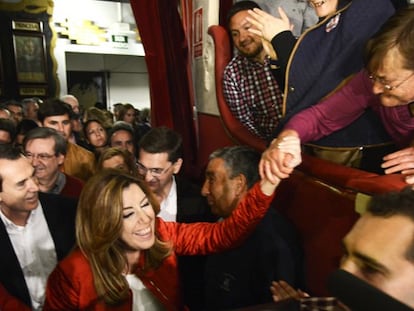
x: 12, y: 169
x: 215, y: 166
x: 63, y: 117
x: 122, y: 133
x: 377, y: 234
x: 48, y: 142
x: 147, y: 157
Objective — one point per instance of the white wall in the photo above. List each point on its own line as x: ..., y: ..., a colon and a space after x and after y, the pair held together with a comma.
x: 128, y: 76
x: 127, y: 79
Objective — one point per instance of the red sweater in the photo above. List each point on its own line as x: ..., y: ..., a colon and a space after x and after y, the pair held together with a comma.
x: 73, y: 187
x: 70, y: 286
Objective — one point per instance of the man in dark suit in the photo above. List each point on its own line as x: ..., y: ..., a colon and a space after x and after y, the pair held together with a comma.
x: 159, y: 162
x: 242, y: 276
x: 36, y: 230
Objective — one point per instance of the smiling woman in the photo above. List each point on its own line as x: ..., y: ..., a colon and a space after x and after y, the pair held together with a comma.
x: 126, y: 254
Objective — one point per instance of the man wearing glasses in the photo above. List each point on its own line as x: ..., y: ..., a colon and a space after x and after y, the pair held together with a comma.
x: 386, y: 86
x: 45, y: 148
x: 159, y: 162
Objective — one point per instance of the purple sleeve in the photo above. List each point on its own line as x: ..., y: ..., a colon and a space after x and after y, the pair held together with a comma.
x: 335, y: 111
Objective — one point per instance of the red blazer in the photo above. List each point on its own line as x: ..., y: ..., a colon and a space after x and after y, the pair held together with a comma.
x: 70, y: 286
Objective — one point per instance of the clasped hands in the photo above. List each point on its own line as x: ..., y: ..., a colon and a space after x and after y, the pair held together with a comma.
x: 280, y: 158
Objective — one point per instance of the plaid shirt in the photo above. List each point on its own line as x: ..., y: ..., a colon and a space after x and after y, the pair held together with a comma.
x: 321, y: 304
x: 253, y: 95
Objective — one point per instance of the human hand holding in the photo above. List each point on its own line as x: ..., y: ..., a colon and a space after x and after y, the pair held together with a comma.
x: 401, y: 161
x: 281, y: 157
x: 281, y: 290
x: 266, y: 25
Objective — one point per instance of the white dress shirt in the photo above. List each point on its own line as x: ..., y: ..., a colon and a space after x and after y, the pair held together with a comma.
x: 142, y: 298
x: 35, y: 250
x: 168, y: 207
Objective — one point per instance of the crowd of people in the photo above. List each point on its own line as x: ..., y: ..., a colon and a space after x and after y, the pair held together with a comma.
x: 95, y: 215
x: 79, y: 226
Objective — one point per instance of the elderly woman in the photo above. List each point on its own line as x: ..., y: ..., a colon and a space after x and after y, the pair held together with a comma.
x: 386, y: 87
x: 319, y: 62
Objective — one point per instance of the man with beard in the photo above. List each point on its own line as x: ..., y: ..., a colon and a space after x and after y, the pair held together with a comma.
x: 249, y: 87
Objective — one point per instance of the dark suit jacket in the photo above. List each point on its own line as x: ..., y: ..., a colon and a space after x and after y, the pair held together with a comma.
x: 60, y: 216
x: 192, y: 207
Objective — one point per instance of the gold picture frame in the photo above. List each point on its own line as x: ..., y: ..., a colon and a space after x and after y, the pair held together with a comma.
x: 33, y: 91
x: 30, y: 57
x: 31, y: 26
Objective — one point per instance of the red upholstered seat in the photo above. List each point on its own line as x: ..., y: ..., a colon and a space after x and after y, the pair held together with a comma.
x: 236, y: 130
x: 319, y: 198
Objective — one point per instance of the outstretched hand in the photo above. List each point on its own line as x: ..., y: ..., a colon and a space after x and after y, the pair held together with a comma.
x: 281, y: 157
x: 401, y: 161
x: 266, y: 25
x: 281, y: 290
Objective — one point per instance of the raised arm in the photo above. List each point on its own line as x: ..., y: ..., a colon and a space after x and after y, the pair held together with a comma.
x: 206, y: 238
x: 336, y: 111
x: 266, y: 25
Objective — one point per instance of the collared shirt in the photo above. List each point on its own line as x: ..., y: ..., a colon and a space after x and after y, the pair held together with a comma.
x: 253, y: 95
x: 59, y: 185
x: 142, y: 298
x: 35, y: 250
x: 168, y: 207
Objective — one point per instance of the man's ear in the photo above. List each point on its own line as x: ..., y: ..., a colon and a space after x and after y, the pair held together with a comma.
x: 177, y: 166
x: 240, y: 184
x: 61, y: 159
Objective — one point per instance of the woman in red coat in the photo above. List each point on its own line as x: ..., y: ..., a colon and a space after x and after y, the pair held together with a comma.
x: 126, y: 256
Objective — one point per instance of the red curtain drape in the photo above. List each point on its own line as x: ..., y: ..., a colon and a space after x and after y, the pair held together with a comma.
x: 167, y: 59
x: 225, y: 5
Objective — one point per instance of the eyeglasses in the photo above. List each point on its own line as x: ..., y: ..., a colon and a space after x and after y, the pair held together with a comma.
x: 385, y: 84
x: 155, y: 172
x: 39, y: 156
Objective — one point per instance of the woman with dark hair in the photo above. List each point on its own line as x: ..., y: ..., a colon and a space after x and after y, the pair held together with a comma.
x: 96, y: 136
x: 127, y: 114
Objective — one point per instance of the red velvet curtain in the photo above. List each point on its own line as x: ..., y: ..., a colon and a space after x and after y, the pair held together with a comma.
x: 169, y: 70
x: 167, y: 59
x: 225, y: 5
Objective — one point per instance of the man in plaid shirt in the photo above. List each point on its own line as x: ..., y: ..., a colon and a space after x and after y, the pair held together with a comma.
x: 250, y: 89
